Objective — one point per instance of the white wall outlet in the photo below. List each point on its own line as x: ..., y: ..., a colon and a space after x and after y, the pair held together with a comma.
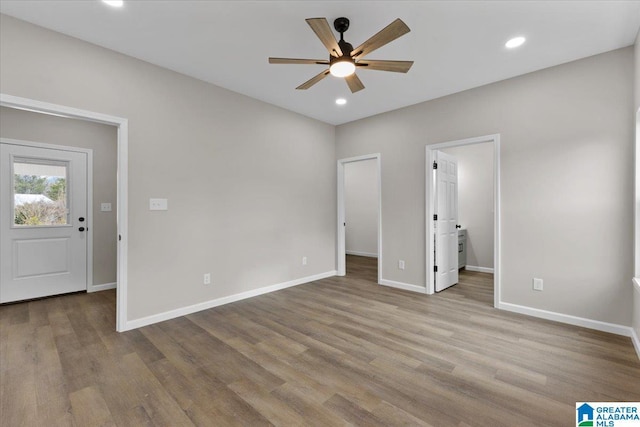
x: 401, y: 264
x: 207, y: 278
x: 105, y: 207
x: 537, y: 284
x: 158, y: 204
x: 304, y: 260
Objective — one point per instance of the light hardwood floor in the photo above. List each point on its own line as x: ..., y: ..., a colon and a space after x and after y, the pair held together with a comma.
x: 339, y: 351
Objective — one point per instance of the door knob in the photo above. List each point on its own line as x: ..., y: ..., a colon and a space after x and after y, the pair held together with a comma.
x: 81, y: 219
x: 458, y: 226
x: 81, y: 229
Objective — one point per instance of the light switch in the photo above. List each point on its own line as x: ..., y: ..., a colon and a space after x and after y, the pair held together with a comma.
x: 537, y: 284
x: 158, y: 204
x: 105, y: 207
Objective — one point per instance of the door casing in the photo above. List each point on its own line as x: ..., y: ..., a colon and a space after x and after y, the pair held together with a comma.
x: 429, y: 208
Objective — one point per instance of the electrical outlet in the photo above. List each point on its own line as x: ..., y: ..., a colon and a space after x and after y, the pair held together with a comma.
x: 304, y: 260
x: 401, y: 264
x: 207, y: 278
x: 158, y: 204
x: 537, y: 284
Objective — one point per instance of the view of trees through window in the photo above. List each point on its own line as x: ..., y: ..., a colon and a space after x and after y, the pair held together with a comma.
x: 40, y: 199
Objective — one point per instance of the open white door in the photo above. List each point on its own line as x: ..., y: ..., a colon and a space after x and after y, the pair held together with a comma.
x: 43, y: 222
x: 446, y: 211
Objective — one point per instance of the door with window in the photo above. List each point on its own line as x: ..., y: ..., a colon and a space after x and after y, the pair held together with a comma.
x: 43, y: 221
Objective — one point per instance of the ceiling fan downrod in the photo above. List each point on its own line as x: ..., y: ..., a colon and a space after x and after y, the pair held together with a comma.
x: 342, y: 25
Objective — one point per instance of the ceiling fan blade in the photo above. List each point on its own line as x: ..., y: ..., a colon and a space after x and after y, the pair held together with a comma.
x: 321, y: 27
x: 394, y: 66
x: 297, y: 61
x: 314, y: 80
x: 354, y: 83
x: 388, y: 34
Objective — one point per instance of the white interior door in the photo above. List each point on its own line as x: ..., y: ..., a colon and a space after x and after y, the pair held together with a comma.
x: 446, y: 209
x: 43, y: 222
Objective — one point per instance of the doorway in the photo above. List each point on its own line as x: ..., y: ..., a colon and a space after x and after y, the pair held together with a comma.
x: 375, y: 220
x: 45, y: 195
x: 431, y: 151
x: 121, y: 124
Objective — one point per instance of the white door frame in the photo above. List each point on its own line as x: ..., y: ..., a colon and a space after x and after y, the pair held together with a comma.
x: 122, y: 125
x: 636, y: 205
x: 341, y: 250
x: 430, y: 157
x: 89, y: 213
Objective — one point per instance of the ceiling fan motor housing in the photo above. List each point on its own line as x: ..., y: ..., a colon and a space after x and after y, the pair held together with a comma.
x: 346, y: 49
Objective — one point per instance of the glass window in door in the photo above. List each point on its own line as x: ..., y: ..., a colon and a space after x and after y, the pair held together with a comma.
x: 40, y: 193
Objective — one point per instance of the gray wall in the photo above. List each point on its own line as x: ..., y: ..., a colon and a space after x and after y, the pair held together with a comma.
x: 567, y: 173
x: 361, y: 207
x: 251, y: 187
x: 102, y: 139
x: 475, y: 200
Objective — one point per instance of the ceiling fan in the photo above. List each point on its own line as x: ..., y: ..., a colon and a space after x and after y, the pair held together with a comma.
x: 344, y: 59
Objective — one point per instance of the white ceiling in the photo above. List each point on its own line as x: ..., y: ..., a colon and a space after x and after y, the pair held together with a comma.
x: 456, y: 45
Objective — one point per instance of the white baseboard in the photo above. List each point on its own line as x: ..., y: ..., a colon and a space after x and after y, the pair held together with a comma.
x: 183, y: 311
x: 103, y: 287
x: 405, y: 286
x: 566, y: 318
x: 358, y: 253
x: 479, y: 269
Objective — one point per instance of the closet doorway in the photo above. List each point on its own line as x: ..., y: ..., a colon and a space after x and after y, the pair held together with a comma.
x: 359, y: 214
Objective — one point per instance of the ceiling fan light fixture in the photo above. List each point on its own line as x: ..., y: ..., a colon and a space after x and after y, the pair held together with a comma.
x: 342, y: 68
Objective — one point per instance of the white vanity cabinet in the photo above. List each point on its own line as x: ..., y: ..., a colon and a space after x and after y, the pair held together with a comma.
x: 462, y: 248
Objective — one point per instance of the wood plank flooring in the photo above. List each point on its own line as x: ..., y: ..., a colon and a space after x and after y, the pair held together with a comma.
x: 340, y: 351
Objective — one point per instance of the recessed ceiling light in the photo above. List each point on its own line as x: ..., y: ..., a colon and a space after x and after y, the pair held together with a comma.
x: 515, y: 42
x: 114, y: 3
x: 341, y: 101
